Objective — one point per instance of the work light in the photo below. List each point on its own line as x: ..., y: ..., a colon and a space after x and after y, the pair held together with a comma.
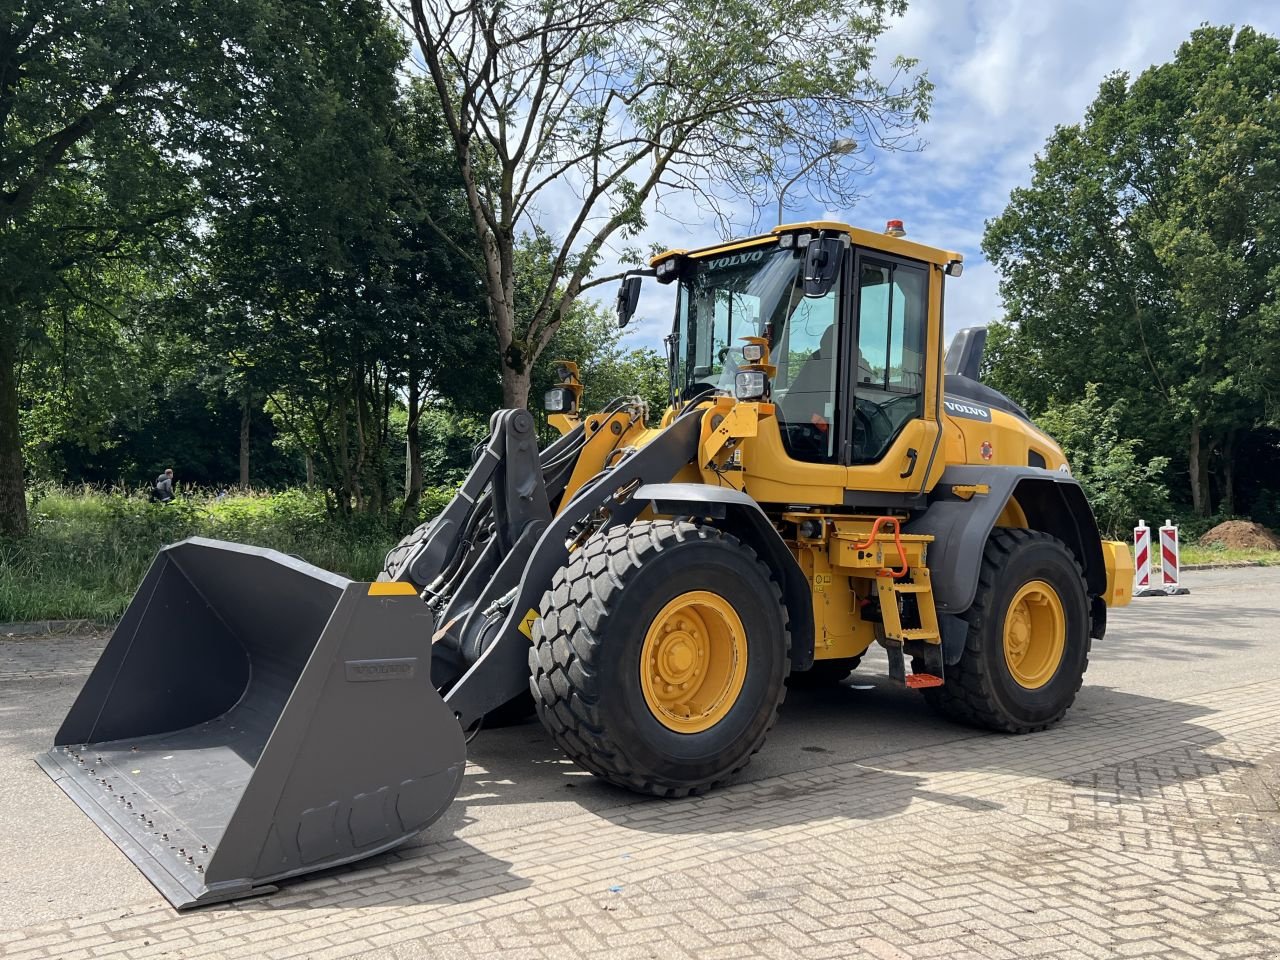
x: 558, y: 400
x: 750, y: 385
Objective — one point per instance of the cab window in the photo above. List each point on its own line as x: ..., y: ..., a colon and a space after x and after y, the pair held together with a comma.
x: 889, y: 378
x: 805, y: 352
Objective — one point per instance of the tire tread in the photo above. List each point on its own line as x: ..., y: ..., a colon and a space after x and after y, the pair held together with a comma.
x: 968, y: 695
x: 566, y: 648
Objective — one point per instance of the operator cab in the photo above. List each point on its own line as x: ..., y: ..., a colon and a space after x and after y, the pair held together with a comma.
x: 851, y: 362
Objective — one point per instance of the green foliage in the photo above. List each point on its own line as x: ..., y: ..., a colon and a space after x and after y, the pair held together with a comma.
x: 110, y: 115
x: 1143, y: 258
x: 322, y: 288
x: 335, y: 287
x: 447, y: 441
x: 87, y: 551
x: 590, y: 337
x: 1121, y: 484
x: 1266, y: 509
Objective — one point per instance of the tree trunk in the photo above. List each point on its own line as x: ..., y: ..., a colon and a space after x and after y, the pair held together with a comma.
x: 13, y: 498
x: 413, y: 456
x: 311, y: 470
x: 344, y: 456
x: 1198, y: 464
x: 245, y: 408
x: 515, y: 387
x: 1229, y: 474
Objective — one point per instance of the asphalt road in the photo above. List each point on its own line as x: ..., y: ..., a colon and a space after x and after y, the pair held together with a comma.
x: 54, y: 864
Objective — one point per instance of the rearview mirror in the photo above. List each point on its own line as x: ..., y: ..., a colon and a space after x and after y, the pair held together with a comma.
x: 628, y: 297
x: 822, y: 260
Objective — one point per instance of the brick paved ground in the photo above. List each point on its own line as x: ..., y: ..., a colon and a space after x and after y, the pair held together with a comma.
x: 1148, y: 829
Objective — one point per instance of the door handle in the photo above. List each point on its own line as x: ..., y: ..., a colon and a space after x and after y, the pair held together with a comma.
x: 911, y: 467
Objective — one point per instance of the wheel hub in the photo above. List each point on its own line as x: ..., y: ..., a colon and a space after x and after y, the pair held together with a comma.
x: 693, y: 662
x: 1035, y: 634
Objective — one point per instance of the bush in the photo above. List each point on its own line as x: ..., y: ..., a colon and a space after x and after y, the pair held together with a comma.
x: 89, y: 549
x: 1120, y: 483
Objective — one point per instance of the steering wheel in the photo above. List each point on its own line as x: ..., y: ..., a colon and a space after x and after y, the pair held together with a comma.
x: 865, y: 414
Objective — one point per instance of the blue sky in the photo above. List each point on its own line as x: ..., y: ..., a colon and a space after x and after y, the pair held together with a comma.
x: 1006, y: 73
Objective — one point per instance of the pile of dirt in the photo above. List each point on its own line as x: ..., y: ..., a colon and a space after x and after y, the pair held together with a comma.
x: 1241, y: 535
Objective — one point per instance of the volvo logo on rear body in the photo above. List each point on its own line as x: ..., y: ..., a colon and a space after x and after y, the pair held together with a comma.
x: 970, y: 411
x: 401, y: 668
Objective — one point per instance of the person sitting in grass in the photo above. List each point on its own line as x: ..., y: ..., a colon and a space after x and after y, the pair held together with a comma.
x: 162, y: 489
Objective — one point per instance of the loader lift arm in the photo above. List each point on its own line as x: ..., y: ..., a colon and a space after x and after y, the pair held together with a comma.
x: 484, y: 660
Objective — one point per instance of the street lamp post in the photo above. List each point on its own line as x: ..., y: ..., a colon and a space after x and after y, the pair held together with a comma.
x: 838, y: 148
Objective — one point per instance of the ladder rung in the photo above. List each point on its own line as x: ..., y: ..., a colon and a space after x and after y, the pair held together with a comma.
x: 919, y: 681
x: 911, y: 588
x: 918, y: 633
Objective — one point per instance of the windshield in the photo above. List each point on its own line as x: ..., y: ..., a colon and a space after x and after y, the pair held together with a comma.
x: 721, y: 300
x: 759, y: 293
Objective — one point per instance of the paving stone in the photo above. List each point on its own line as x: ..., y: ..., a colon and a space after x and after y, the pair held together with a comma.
x: 1133, y: 833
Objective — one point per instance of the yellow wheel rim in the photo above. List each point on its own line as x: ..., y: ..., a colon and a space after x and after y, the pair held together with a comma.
x: 1035, y: 634
x: 693, y: 662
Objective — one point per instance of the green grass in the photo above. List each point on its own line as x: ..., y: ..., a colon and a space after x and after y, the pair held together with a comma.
x: 1192, y: 553
x: 88, y: 550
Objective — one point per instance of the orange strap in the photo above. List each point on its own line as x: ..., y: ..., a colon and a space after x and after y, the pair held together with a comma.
x: 897, y: 539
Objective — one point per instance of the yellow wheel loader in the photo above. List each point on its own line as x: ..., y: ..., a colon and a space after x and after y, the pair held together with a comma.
x: 821, y: 480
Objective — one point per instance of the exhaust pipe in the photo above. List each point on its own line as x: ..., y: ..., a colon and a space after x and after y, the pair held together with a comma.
x: 253, y: 718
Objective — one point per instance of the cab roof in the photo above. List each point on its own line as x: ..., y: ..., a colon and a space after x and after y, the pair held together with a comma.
x: 898, y: 246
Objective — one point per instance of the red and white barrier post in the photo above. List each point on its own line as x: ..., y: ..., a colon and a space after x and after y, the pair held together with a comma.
x: 1169, y: 560
x: 1142, y: 586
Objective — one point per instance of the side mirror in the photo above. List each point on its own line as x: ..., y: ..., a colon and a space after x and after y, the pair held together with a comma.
x: 822, y: 259
x: 628, y: 297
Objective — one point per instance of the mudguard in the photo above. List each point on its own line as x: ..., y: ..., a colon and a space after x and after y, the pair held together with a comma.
x: 1053, y: 502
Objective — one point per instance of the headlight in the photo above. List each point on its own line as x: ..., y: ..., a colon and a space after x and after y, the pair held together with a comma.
x: 558, y: 400
x: 753, y: 353
x: 750, y: 385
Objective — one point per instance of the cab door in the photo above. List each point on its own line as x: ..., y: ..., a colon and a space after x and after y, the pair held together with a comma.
x: 891, y: 424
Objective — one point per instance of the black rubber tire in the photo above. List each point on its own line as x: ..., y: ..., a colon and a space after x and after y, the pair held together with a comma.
x: 399, y: 554
x: 979, y: 689
x: 825, y: 673
x: 584, y: 663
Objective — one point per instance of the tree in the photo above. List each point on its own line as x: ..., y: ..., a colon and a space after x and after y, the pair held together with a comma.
x: 439, y: 329
x: 605, y: 105
x: 1121, y: 485
x: 300, y: 305
x: 590, y: 337
x: 1144, y: 257
x: 106, y: 111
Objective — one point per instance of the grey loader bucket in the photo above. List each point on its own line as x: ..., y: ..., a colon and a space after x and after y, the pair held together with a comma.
x: 254, y: 718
